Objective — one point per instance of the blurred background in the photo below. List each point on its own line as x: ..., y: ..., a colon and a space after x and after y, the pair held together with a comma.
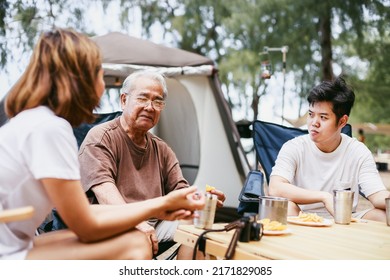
x: 269, y: 54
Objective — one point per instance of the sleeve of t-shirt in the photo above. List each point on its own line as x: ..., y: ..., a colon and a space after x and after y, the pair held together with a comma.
x: 174, y: 179
x: 97, y: 163
x: 51, y: 151
x: 285, y: 164
x: 370, y: 181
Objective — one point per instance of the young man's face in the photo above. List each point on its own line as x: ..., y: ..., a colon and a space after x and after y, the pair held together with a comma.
x: 323, y: 128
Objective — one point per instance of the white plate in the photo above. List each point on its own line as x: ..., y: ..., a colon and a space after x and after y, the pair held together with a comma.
x: 277, y: 232
x: 295, y: 220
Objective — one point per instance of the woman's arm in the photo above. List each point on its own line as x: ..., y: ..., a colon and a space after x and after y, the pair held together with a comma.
x: 96, y: 222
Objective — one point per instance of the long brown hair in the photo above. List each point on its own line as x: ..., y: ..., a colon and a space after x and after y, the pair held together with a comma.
x: 62, y: 74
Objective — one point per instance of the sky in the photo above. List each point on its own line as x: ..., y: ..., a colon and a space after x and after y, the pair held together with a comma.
x: 100, y: 22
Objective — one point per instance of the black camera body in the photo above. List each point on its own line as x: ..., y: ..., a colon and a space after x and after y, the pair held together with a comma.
x: 251, y: 230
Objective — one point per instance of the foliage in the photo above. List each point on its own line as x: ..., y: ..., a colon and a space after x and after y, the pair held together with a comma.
x: 234, y: 32
x: 349, y: 37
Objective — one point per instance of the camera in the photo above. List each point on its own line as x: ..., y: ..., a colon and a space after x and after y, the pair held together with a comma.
x: 251, y: 230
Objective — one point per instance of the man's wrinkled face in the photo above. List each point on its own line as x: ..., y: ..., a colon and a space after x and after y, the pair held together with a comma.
x: 142, y: 107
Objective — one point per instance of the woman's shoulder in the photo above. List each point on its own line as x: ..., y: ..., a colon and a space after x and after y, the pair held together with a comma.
x: 41, y: 118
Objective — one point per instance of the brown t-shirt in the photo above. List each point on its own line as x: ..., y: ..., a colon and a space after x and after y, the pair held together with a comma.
x: 108, y: 155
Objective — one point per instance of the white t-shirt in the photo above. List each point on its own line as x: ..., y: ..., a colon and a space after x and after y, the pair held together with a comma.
x: 351, y: 165
x: 35, y: 144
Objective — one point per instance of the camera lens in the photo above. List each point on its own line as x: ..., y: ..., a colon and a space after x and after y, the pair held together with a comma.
x: 256, y: 232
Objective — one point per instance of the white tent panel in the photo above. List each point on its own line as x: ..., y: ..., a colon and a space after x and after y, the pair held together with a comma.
x: 217, y: 165
x: 178, y: 126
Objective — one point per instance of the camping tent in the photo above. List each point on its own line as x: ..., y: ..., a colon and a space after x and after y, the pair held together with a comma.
x: 196, y: 121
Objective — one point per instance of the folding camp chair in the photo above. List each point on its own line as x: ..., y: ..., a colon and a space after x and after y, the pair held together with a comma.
x: 268, y: 139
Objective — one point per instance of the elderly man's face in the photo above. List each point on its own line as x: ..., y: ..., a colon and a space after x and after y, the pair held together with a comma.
x: 142, y: 107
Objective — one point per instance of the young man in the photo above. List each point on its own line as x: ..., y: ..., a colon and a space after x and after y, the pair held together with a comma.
x: 310, y: 167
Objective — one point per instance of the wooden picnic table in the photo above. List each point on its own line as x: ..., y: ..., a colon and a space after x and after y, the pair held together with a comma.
x: 359, y: 240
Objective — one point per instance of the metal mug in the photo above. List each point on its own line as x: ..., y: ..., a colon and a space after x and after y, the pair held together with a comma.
x: 205, y: 218
x: 342, y: 203
x: 273, y: 208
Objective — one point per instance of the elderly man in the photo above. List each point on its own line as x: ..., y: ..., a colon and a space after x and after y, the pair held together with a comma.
x: 122, y: 162
x: 310, y: 167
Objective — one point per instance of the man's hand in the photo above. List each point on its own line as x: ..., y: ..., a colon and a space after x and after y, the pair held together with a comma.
x: 221, y: 196
x: 151, y: 232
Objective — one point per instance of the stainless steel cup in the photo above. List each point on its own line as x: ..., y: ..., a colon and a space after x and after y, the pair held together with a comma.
x: 342, y: 203
x: 273, y: 208
x: 387, y: 201
x: 205, y: 217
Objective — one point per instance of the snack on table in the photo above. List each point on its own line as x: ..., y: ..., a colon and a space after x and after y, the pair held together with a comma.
x: 272, y: 225
x: 209, y: 188
x: 309, y: 217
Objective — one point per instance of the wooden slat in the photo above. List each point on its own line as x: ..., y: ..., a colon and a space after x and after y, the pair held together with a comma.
x: 355, y: 241
x: 17, y: 214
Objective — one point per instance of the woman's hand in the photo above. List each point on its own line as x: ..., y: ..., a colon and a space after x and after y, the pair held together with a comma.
x: 181, y: 204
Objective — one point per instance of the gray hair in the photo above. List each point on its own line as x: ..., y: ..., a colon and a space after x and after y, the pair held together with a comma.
x: 129, y: 82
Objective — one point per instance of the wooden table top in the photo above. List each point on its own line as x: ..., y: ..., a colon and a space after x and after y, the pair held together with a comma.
x: 358, y: 240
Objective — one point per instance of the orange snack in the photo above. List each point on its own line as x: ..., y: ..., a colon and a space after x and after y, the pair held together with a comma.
x: 209, y: 188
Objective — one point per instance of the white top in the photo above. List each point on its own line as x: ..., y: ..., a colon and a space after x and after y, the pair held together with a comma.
x: 35, y: 144
x: 351, y: 165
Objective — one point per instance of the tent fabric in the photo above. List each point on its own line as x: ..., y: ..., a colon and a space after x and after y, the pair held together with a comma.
x: 197, y: 122
x: 119, y: 48
x: 126, y: 69
x: 299, y: 122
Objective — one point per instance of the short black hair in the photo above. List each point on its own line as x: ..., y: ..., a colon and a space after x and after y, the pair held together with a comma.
x: 337, y: 92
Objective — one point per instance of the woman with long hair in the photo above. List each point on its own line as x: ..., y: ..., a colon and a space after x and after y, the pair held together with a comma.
x: 39, y: 164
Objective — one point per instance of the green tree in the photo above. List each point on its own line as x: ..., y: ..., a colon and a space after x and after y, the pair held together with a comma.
x: 234, y: 32
x: 320, y: 35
